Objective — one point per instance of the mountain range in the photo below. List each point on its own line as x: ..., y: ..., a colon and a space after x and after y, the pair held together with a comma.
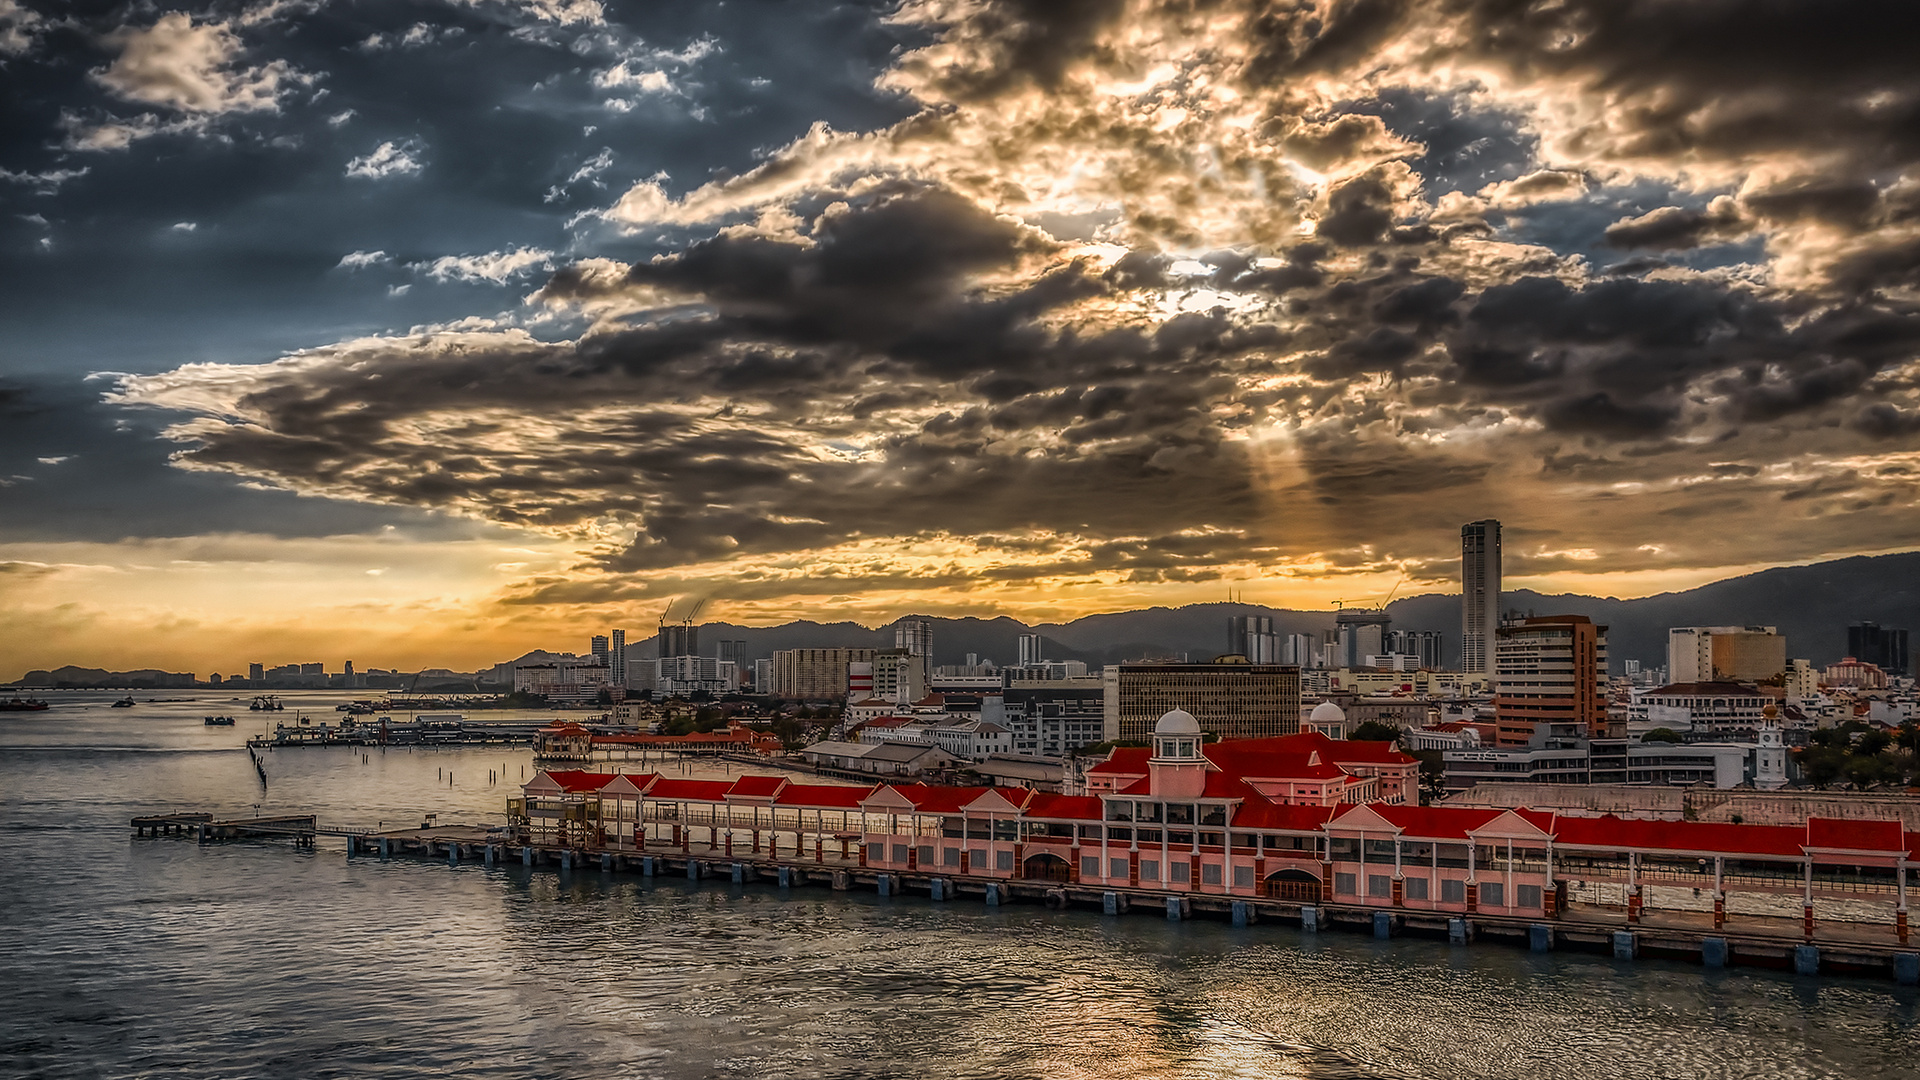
x: 1812, y: 605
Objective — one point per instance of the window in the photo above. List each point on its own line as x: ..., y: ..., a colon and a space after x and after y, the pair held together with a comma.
x: 1003, y: 860
x: 1179, y: 870
x: 1379, y: 885
x: 1117, y: 868
x: 876, y: 852
x: 950, y: 856
x: 1529, y: 895
x: 899, y: 853
x: 1210, y: 873
x: 1493, y: 894
x: 1243, y: 877
x: 1345, y: 884
x: 978, y: 858
x: 926, y: 855
x: 1416, y: 888
x: 1453, y: 891
x: 1089, y: 866
x: 1149, y: 869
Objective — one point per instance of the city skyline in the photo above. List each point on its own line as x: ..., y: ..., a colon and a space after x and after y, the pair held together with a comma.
x: 427, y: 333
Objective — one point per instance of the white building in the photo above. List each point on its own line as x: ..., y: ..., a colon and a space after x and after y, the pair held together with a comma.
x: 1699, y: 654
x: 686, y: 674
x: 1721, y: 708
x: 563, y: 682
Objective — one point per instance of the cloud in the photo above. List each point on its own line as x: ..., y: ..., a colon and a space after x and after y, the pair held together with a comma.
x: 45, y: 182
x: 360, y: 260
x: 1143, y: 293
x: 559, y: 12
x: 494, y: 266
x: 192, y: 68
x: 389, y: 159
x: 20, y: 27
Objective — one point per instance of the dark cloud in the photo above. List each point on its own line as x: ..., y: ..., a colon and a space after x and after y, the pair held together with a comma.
x: 1672, y: 228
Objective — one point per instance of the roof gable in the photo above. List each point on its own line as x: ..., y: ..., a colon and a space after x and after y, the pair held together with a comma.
x: 1364, y: 817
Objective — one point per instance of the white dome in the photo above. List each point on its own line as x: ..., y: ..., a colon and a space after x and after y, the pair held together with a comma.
x: 1327, y: 713
x: 1177, y: 722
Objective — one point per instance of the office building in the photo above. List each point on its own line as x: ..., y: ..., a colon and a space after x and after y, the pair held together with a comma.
x: 1360, y: 633
x: 1252, y: 636
x: 914, y: 636
x: 1883, y: 646
x: 682, y: 639
x: 1423, y: 644
x: 1549, y: 669
x: 1559, y: 754
x: 1051, y: 718
x: 601, y: 650
x: 1479, y: 594
x: 1230, y: 700
x: 1698, y: 654
x: 683, y: 675
x: 256, y: 672
x: 900, y: 676
x: 617, y: 657
x: 1029, y: 649
x: 1300, y: 650
x: 815, y: 674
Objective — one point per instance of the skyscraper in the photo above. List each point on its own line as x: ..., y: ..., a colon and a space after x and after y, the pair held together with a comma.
x: 1479, y: 594
x: 1876, y: 644
x: 1029, y: 649
x: 914, y: 635
x: 1550, y: 669
x: 617, y: 674
x: 599, y: 650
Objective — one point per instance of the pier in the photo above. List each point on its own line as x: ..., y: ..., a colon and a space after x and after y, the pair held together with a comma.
x: 836, y: 862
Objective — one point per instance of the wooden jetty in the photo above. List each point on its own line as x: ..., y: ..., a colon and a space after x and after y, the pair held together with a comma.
x: 835, y: 863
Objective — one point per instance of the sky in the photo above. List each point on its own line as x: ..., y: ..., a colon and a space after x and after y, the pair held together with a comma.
x: 429, y: 332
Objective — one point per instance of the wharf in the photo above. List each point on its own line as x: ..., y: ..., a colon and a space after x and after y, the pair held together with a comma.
x: 1776, y: 943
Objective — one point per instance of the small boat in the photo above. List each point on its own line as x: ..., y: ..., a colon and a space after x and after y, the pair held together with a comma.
x: 23, y: 705
x: 218, y: 721
x: 125, y: 702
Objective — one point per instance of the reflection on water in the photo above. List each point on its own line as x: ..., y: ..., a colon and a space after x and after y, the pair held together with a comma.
x: 159, y: 957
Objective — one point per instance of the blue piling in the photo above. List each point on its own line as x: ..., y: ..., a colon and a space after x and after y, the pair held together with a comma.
x: 453, y: 854
x: 939, y: 889
x: 1382, y: 925
x: 487, y: 857
x: 385, y: 851
x: 1540, y: 937
x: 606, y: 864
x: 786, y: 876
x: 1906, y: 969
x: 1713, y: 952
x: 1310, y: 919
x: 1626, y: 944
x: 1242, y: 913
x: 1110, y: 903
x: 1806, y: 960
x: 1459, y: 932
x: 693, y: 870
x: 993, y: 895
x: 526, y: 855
x: 885, y: 885
x: 1173, y: 909
x: 739, y: 873
x: 646, y: 866
x: 566, y: 861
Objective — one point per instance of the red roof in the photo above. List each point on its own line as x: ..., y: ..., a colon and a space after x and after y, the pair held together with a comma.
x: 1124, y: 760
x: 579, y: 780
x: 1307, y: 742
x: 563, y: 727
x: 690, y: 790
x: 1260, y: 813
x: 1065, y: 807
x: 822, y: 796
x: 1835, y: 833
x: 1783, y: 841
x: 1434, y: 822
x: 757, y: 787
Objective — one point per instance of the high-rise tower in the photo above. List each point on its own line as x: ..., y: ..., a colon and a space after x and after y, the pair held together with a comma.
x: 617, y: 659
x: 1479, y: 594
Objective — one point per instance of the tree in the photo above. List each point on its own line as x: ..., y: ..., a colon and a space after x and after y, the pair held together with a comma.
x: 1660, y: 734
x: 1822, y: 766
x: 1433, y: 775
x: 1375, y: 731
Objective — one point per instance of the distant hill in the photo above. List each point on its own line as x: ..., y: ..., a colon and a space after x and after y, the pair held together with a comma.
x: 1812, y: 605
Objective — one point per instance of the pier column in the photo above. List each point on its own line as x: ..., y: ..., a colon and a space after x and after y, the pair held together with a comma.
x: 1713, y: 952
x: 1633, y: 903
x: 453, y: 854
x: 1473, y: 897
x: 786, y: 876
x: 606, y: 863
x: 756, y: 841
x: 1806, y: 960
x: 1540, y: 937
x: 646, y: 866
x: 526, y: 855
x: 739, y: 872
x: 693, y: 869
x: 819, y: 850
x: 1174, y: 913
x: 938, y: 889
x: 1310, y: 919
x: 756, y: 845
x: 1626, y: 944
x: 884, y: 886
x: 487, y: 856
x: 1243, y: 914
x: 386, y: 849
x: 1719, y: 910
x: 1399, y: 891
x: 993, y: 896
x: 1906, y: 969
x: 1382, y: 925
x: 1459, y: 932
x: 773, y: 846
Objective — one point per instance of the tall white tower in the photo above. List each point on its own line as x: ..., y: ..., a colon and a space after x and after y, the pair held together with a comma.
x: 1770, y: 761
x: 1479, y: 594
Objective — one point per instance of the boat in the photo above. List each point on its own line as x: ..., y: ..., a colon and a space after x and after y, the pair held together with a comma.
x: 219, y: 721
x: 23, y: 705
x: 125, y: 702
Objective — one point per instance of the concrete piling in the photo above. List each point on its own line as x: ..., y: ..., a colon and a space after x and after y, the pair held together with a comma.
x: 993, y: 896
x: 786, y: 876
x: 1626, y: 944
x: 646, y: 866
x: 1806, y: 960
x: 526, y: 855
x: 1173, y: 909
x: 1713, y: 952
x: 1459, y: 932
x: 1310, y: 919
x: 1242, y: 913
x: 739, y: 873
x: 1906, y: 969
x: 938, y: 887
x: 885, y: 885
x: 1540, y: 937
x: 1382, y: 925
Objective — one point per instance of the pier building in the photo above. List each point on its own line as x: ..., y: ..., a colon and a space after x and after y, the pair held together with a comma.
x: 1191, y: 820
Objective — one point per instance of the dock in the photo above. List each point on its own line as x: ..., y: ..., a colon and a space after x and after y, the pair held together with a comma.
x: 835, y: 865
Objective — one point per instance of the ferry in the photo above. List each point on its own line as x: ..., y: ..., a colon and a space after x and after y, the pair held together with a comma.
x: 19, y: 704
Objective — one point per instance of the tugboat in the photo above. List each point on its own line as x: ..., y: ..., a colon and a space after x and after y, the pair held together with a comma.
x: 19, y: 704
x: 125, y: 702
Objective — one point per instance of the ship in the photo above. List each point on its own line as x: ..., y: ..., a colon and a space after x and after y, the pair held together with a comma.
x: 23, y: 705
x: 125, y: 702
x: 218, y: 721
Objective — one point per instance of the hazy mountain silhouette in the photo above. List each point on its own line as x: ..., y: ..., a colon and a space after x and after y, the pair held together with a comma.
x: 1812, y: 605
